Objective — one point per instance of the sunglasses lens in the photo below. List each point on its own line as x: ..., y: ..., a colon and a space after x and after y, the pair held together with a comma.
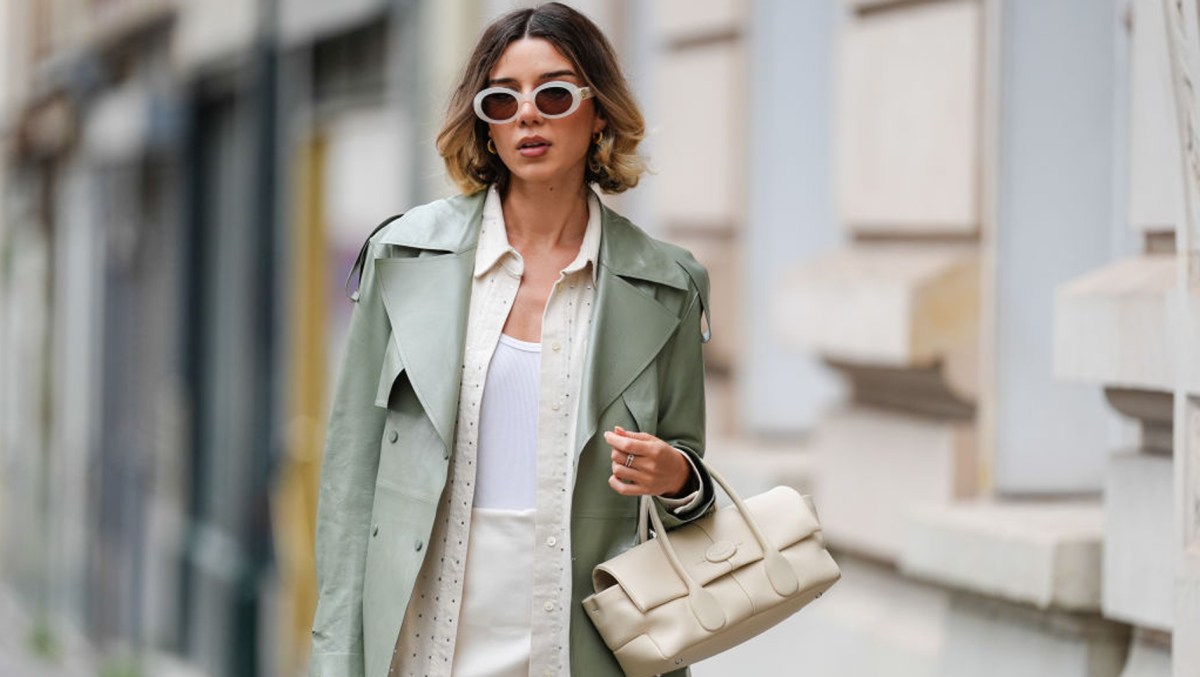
x: 554, y: 100
x: 499, y: 106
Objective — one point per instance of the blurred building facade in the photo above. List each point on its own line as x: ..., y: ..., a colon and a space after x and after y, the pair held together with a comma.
x: 953, y: 296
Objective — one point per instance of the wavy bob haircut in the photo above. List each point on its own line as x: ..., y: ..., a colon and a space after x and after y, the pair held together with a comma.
x: 613, y: 163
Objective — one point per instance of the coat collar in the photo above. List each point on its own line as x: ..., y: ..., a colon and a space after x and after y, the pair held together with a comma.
x: 447, y: 225
x: 626, y: 251
x: 452, y: 225
x: 427, y: 298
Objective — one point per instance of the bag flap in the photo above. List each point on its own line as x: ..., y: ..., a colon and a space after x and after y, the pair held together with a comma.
x: 709, y: 547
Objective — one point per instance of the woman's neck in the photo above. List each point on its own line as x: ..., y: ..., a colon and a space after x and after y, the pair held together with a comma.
x: 544, y: 215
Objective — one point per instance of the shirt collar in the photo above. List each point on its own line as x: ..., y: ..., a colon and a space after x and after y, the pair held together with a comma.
x: 495, y: 248
x: 493, y: 238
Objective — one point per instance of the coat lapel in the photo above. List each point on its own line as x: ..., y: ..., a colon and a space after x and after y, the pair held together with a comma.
x: 629, y: 326
x: 427, y: 297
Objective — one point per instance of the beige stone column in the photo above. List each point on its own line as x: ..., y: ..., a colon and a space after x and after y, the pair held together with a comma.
x: 698, y: 135
x: 950, y: 459
x: 1131, y: 328
x: 1183, y: 39
x: 896, y: 311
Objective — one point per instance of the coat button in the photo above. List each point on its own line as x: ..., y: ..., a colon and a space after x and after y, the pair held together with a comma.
x: 375, y: 530
x: 446, y: 455
x: 417, y: 545
x: 354, y: 296
x: 393, y: 437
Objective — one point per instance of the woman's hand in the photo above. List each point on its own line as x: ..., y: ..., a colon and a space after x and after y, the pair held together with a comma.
x: 642, y: 465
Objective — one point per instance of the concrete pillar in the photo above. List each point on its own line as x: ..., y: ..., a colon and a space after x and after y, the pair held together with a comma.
x: 1131, y: 327
x: 1054, y: 172
x: 972, y: 139
x: 790, y: 206
x: 1183, y: 40
x: 896, y: 308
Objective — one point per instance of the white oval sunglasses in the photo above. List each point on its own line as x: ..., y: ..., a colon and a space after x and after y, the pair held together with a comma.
x: 556, y: 99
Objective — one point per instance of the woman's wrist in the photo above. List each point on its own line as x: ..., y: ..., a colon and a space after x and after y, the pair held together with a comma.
x: 691, y: 480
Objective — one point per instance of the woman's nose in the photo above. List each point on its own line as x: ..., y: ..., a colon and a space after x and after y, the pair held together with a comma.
x: 528, y: 112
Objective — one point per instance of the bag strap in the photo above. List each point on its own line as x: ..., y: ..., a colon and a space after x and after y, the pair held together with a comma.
x: 704, y: 604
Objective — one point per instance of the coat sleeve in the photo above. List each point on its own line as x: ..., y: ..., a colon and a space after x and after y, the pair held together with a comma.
x: 348, y: 471
x: 681, y: 415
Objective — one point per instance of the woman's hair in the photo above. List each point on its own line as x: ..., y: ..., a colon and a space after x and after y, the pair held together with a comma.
x: 613, y: 163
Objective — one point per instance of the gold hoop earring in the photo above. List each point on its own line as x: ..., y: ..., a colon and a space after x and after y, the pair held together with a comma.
x: 596, y: 167
x: 491, y: 147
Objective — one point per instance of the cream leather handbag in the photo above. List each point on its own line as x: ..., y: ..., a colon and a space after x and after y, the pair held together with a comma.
x: 711, y: 584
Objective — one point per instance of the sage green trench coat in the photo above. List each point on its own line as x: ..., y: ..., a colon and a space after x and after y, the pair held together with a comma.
x: 391, y: 427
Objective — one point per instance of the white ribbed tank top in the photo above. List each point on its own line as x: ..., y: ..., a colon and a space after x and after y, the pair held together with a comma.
x: 506, y: 456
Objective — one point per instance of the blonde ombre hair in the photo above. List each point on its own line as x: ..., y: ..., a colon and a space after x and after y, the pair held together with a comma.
x: 612, y: 164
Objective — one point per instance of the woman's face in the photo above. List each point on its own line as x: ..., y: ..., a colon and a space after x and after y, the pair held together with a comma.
x: 534, y: 148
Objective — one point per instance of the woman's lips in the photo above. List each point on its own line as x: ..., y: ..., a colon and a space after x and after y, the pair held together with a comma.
x: 533, y: 145
x: 534, y: 150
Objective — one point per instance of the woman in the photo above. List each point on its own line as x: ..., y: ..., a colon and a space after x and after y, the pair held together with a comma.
x: 522, y: 365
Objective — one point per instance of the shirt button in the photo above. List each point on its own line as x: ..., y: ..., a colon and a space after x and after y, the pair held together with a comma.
x: 548, y: 606
x: 552, y: 541
x: 554, y: 406
x: 556, y: 346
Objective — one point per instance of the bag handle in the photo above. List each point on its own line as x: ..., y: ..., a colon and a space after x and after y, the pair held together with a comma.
x: 704, y: 604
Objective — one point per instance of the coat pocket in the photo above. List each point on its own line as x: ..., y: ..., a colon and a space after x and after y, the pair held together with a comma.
x: 391, y: 370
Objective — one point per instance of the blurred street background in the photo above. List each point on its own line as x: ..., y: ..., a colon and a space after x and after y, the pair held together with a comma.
x: 956, y: 298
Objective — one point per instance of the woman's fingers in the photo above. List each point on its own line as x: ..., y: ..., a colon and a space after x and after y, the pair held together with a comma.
x: 624, y: 489
x: 635, y: 482
x: 629, y: 445
x: 632, y: 483
x: 632, y: 474
x: 634, y: 434
x: 644, y: 464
